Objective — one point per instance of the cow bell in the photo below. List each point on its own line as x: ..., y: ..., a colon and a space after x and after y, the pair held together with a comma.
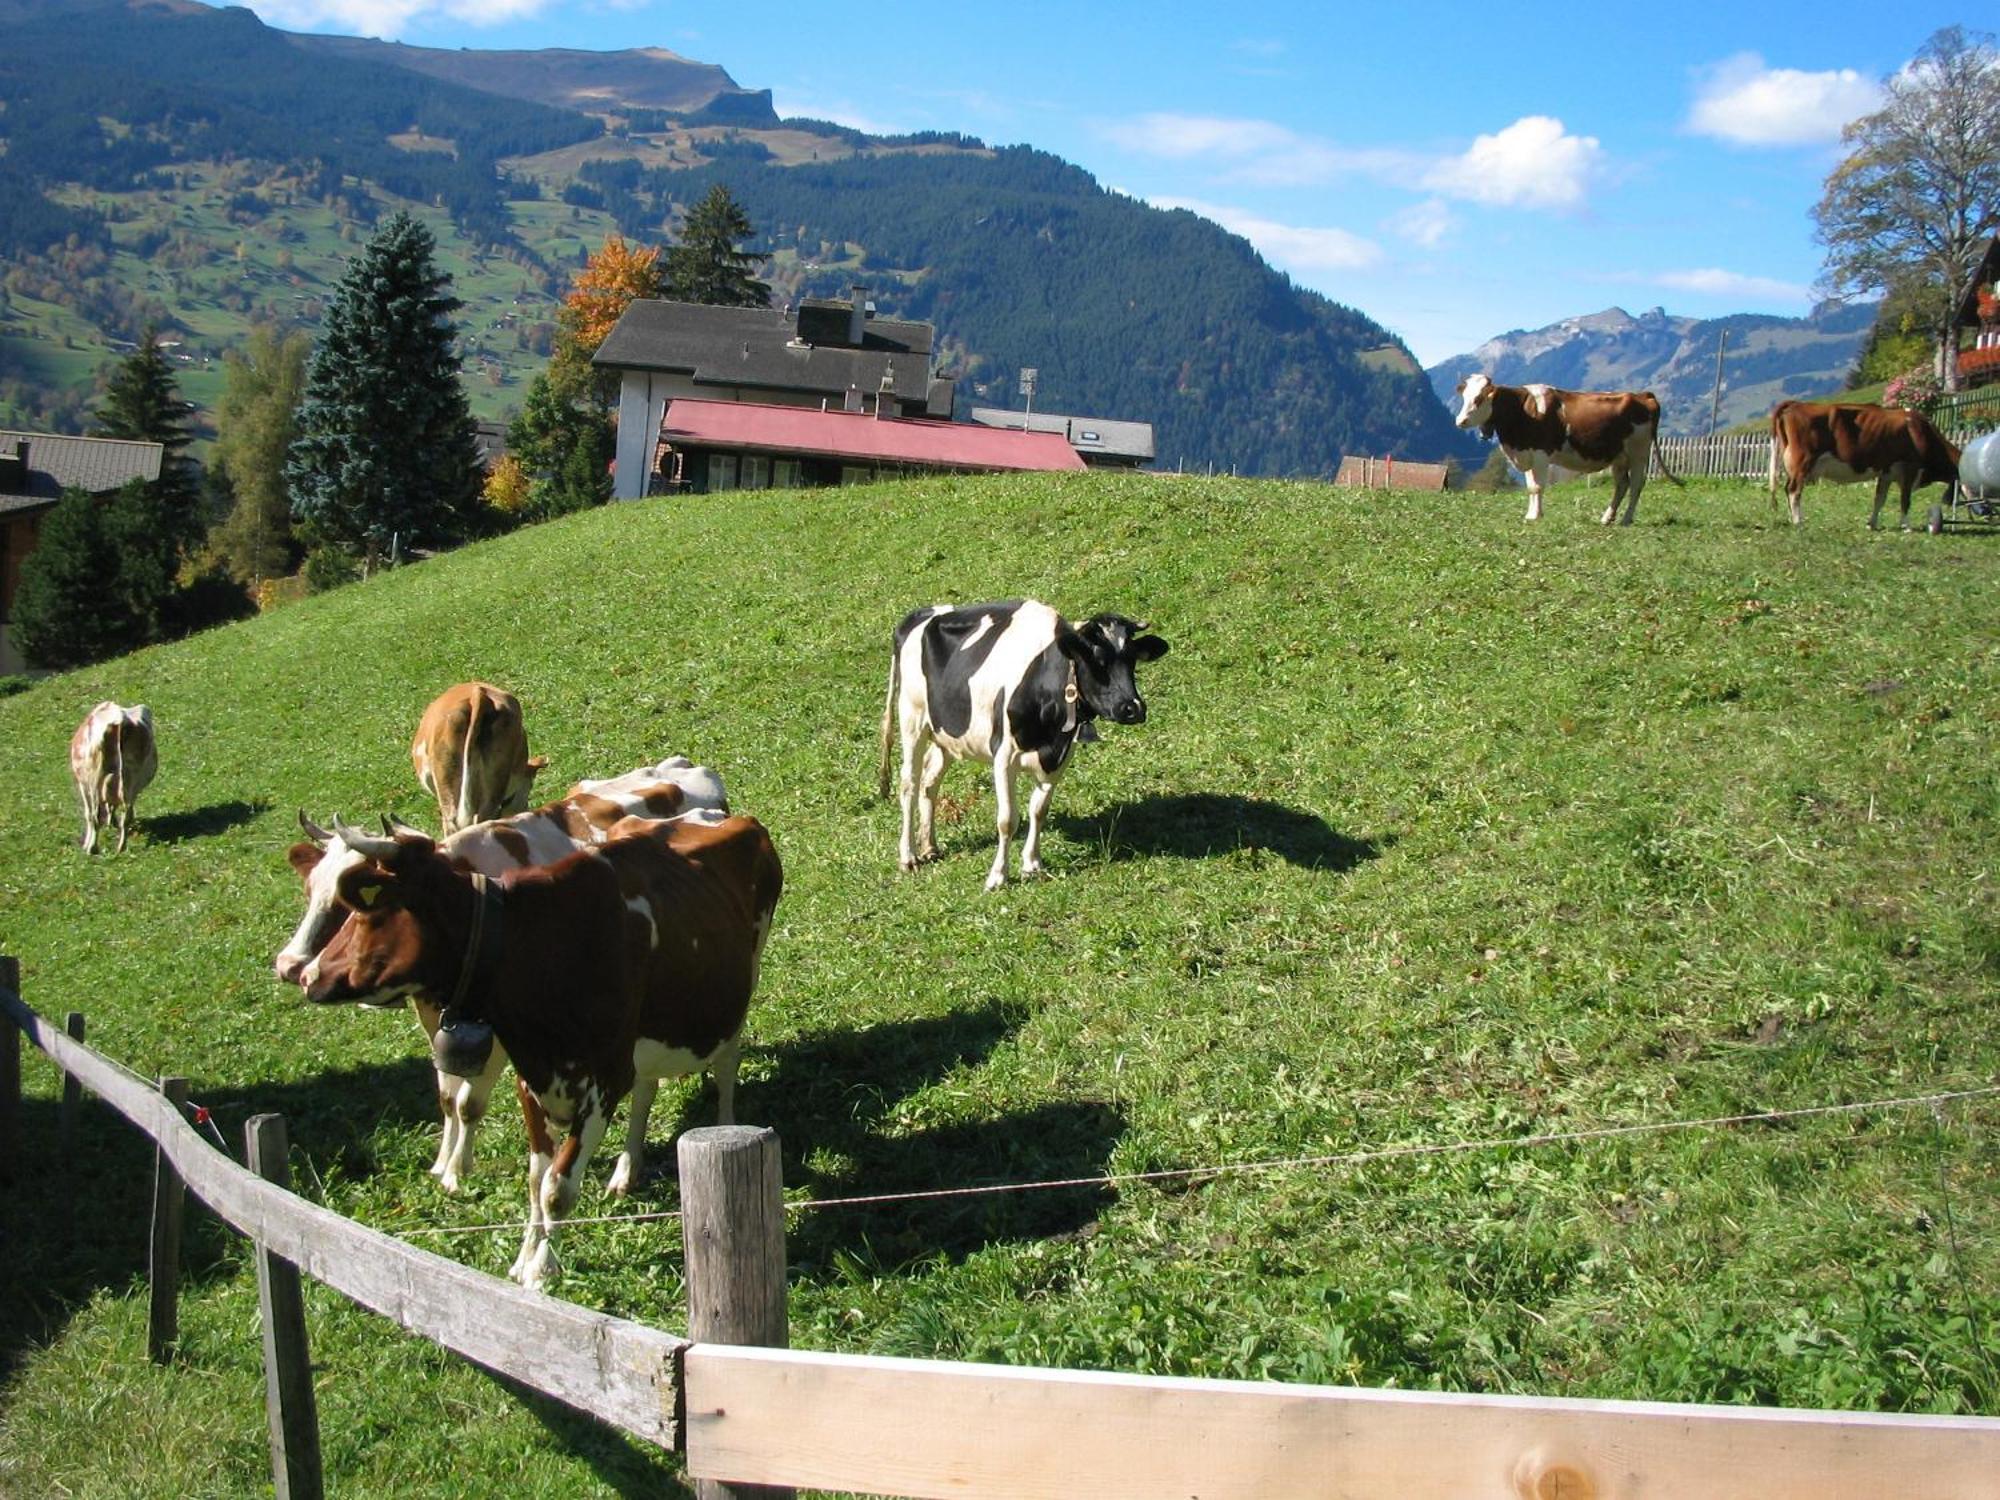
x: 461, y: 1046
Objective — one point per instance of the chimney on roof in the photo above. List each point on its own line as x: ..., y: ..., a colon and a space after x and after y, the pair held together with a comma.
x: 853, y: 401
x: 857, y: 317
x: 14, y: 467
x: 887, y: 390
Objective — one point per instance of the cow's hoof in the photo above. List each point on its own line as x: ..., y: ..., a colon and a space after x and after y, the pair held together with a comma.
x: 624, y: 1177
x: 906, y: 865
x: 994, y: 882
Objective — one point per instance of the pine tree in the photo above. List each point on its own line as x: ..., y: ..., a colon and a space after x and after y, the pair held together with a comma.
x: 385, y: 446
x: 69, y: 609
x: 161, y: 528
x: 706, y: 265
x: 256, y: 422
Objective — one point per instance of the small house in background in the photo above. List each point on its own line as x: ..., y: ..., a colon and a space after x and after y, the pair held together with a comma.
x: 1392, y: 474
x: 489, y: 442
x: 708, y: 446
x: 828, y: 356
x: 1099, y: 442
x: 35, y: 469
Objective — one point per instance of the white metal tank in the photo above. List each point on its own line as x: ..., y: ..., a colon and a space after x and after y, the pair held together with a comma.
x: 1979, y: 466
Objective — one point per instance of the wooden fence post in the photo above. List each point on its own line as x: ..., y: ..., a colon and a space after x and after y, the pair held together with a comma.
x: 10, y: 1074
x: 72, y: 1095
x: 288, y: 1388
x: 163, y: 1260
x: 733, y: 1231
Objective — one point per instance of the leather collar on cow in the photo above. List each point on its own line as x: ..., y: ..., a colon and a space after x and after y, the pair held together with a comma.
x: 462, y: 1043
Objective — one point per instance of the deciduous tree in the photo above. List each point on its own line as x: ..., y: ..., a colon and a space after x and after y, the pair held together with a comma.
x: 385, y: 445
x: 256, y: 420
x: 1916, y: 203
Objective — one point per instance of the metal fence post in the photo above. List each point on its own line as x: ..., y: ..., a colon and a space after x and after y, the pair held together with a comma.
x: 289, y: 1404
x: 163, y: 1259
x: 733, y: 1231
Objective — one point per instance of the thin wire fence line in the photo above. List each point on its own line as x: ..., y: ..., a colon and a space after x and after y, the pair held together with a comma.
x: 1345, y: 1158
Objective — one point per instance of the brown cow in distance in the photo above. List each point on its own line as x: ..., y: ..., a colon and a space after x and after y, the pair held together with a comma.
x: 1584, y: 431
x: 113, y: 758
x: 600, y: 974
x: 471, y: 753
x: 1848, y: 442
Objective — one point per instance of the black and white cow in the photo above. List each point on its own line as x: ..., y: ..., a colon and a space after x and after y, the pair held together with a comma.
x: 1013, y: 684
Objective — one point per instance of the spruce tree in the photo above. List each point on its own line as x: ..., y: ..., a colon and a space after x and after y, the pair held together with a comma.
x: 161, y: 528
x: 706, y: 266
x: 69, y: 609
x: 385, y: 446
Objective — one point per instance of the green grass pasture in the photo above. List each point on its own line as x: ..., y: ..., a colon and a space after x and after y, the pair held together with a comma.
x: 1444, y: 828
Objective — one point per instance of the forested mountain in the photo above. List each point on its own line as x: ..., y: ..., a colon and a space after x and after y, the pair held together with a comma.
x: 165, y: 162
x: 1764, y: 359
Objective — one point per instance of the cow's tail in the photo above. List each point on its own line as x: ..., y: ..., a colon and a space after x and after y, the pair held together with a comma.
x: 1777, y: 450
x: 117, y: 768
x: 889, y: 717
x: 1661, y: 459
x: 465, y: 753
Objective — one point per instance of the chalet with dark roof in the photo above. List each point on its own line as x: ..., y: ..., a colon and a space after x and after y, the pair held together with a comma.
x: 35, y: 469
x: 828, y: 355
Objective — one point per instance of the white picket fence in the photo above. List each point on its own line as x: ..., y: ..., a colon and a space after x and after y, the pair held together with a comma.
x: 1724, y: 455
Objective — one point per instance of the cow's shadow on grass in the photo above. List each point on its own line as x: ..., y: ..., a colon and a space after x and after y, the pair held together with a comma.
x: 846, y: 1108
x: 201, y: 822
x: 1201, y: 825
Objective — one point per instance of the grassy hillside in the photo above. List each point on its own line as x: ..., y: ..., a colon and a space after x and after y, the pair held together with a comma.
x: 1444, y: 828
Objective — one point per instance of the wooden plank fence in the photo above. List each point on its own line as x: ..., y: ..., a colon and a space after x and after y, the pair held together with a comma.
x: 1391, y: 474
x: 1725, y: 455
x: 747, y: 1418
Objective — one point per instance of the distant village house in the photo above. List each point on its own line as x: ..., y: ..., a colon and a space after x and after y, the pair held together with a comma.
x: 35, y: 469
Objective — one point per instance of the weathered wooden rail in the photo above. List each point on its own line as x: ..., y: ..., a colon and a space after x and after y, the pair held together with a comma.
x: 752, y: 1421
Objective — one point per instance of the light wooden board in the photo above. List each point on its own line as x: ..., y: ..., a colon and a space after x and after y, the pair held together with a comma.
x: 918, y: 1428
x: 616, y: 1370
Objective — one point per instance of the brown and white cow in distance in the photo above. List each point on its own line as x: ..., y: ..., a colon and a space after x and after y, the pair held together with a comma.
x: 676, y: 787
x: 600, y: 974
x: 113, y: 758
x: 1583, y: 431
x: 471, y: 753
x: 1849, y: 442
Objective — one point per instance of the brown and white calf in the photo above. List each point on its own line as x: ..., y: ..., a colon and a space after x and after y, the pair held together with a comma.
x: 1583, y: 431
x: 601, y: 975
x: 471, y: 753
x: 113, y: 758
x: 676, y: 787
x: 1848, y: 442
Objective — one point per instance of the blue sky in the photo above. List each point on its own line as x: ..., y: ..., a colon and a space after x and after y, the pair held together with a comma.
x: 1453, y: 170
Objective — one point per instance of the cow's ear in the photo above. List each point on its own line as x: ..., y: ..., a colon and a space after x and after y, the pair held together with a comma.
x: 1071, y: 643
x: 366, y: 887
x: 305, y: 858
x: 1148, y: 648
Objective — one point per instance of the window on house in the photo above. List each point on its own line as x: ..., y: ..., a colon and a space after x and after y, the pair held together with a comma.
x: 721, y: 472
x: 788, y: 474
x: 756, y: 472
x: 854, y: 474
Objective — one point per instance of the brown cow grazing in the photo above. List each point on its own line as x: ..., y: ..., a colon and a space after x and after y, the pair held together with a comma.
x: 674, y: 788
x: 113, y: 758
x: 600, y: 974
x: 471, y: 753
x: 1583, y: 431
x: 1850, y: 442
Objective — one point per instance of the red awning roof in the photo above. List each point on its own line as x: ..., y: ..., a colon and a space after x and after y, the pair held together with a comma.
x: 860, y: 438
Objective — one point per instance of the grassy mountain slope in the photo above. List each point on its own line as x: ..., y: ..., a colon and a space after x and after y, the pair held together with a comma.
x: 1437, y: 833
x: 194, y: 167
x: 1765, y: 359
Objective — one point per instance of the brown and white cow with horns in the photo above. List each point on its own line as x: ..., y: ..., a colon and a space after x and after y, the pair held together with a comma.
x: 600, y: 974
x: 674, y: 788
x: 1583, y: 431
x: 471, y: 753
x: 113, y: 758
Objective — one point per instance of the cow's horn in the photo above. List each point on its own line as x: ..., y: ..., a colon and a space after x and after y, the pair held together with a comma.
x: 371, y: 845
x: 312, y: 830
x: 396, y: 826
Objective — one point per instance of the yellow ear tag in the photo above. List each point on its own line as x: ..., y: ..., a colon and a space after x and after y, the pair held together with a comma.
x: 368, y: 895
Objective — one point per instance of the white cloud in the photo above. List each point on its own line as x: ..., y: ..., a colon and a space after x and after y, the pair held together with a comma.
x: 1424, y: 224
x: 390, y: 18
x: 839, y: 112
x: 1533, y: 163
x: 1291, y: 246
x: 1715, y: 282
x: 1258, y: 151
x: 1742, y: 101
